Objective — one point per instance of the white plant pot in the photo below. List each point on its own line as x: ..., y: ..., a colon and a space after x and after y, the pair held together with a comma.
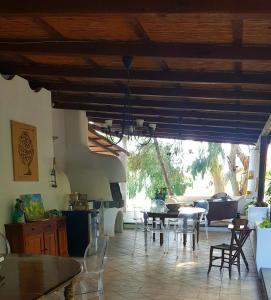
x: 256, y: 215
x: 263, y: 249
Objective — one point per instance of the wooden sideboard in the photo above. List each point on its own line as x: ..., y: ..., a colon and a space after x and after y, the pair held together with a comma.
x: 41, y: 237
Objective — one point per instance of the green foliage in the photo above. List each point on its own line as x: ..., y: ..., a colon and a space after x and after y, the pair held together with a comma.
x: 144, y: 170
x: 266, y: 223
x: 268, y: 191
x: 250, y: 203
x: 207, y: 160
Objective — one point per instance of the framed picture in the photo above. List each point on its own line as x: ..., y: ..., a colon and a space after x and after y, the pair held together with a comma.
x: 33, y: 207
x: 24, y: 150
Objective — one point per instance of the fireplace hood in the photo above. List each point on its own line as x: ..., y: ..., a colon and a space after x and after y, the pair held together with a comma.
x: 88, y: 172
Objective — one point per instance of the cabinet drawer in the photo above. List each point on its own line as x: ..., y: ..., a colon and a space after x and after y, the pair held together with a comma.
x: 30, y: 229
x: 61, y: 223
x: 49, y: 226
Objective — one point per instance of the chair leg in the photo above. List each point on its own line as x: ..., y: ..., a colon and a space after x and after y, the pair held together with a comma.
x: 206, y: 228
x: 230, y: 263
x: 133, y: 252
x: 101, y: 287
x: 194, y: 242
x: 177, y: 245
x: 222, y: 259
x: 238, y: 264
x: 210, y: 259
x: 230, y: 270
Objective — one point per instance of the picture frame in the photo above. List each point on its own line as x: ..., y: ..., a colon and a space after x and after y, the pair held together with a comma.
x: 24, y: 152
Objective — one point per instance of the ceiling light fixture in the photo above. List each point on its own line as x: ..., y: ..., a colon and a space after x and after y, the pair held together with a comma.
x: 132, y: 128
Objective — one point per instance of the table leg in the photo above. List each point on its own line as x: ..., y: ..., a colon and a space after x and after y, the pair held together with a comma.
x: 153, y: 226
x: 184, y: 239
x: 145, y: 233
x: 68, y: 292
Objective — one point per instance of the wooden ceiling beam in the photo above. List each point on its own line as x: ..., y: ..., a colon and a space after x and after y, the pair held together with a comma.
x: 140, y: 48
x: 119, y: 149
x: 161, y: 106
x: 84, y: 7
x: 221, y: 123
x: 157, y: 91
x: 144, y: 75
x: 107, y: 149
x: 198, y: 131
x: 152, y: 118
x: 158, y: 114
x: 179, y: 134
x: 48, y: 28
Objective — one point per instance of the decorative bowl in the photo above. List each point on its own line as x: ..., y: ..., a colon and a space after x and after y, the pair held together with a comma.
x: 173, y: 206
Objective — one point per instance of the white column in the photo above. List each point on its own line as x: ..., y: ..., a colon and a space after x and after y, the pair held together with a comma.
x: 123, y: 158
x: 253, y: 171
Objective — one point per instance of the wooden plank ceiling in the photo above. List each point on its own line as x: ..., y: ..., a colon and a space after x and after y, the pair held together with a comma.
x: 201, y: 69
x: 101, y: 145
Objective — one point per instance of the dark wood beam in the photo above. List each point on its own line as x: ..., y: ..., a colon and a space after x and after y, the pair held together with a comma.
x: 159, y: 103
x: 196, y: 122
x: 140, y: 48
x: 237, y: 32
x: 190, y: 130
x: 100, y: 117
x: 84, y: 7
x: 166, y: 105
x: 158, y: 91
x: 48, y: 28
x: 160, y: 114
x: 139, y: 29
x: 144, y: 75
x: 262, y: 167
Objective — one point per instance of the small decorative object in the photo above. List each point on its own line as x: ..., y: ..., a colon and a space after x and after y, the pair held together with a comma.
x: 24, y: 149
x: 81, y: 203
x: 18, y: 213
x: 52, y: 213
x: 33, y: 207
x: 53, y: 174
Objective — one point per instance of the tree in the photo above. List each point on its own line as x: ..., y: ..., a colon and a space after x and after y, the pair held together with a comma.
x: 209, y: 161
x: 144, y: 170
x: 238, y: 176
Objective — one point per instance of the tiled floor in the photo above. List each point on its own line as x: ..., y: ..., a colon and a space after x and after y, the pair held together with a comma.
x: 162, y: 277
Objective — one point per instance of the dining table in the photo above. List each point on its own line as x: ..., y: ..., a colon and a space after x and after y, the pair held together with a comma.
x: 28, y: 277
x: 163, y: 213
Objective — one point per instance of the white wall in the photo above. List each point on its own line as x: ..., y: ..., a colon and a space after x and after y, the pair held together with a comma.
x: 18, y: 102
x: 88, y: 172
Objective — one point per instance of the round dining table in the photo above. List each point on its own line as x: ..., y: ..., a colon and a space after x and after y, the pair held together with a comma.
x: 163, y: 214
x: 28, y: 277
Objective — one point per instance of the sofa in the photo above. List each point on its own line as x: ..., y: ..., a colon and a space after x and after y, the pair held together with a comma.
x: 222, y: 209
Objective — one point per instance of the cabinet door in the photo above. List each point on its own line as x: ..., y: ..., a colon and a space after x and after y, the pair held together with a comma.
x: 34, y: 244
x: 50, y: 243
x: 62, y: 241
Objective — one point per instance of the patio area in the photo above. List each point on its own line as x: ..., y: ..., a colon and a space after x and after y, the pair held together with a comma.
x: 160, y: 276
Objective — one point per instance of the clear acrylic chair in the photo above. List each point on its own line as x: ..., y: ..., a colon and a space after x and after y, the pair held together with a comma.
x: 89, y: 283
x: 141, y: 224
x: 4, y: 245
x: 186, y: 226
x: 203, y: 217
